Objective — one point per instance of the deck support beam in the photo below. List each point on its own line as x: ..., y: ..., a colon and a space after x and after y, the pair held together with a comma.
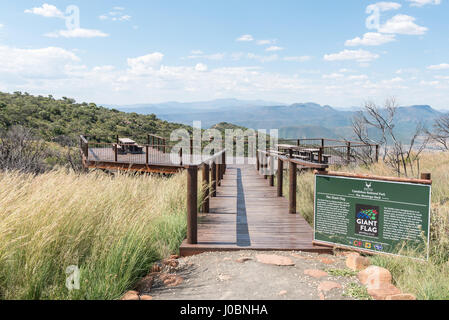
x: 271, y: 162
x: 192, y: 205
x: 292, y: 188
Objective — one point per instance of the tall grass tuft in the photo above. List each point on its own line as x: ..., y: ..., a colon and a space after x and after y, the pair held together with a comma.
x: 112, y: 228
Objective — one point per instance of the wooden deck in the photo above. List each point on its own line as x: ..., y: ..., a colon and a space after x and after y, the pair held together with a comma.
x: 247, y: 214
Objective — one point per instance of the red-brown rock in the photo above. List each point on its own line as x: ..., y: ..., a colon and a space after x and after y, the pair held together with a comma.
x: 274, y: 260
x: 315, y: 273
x: 383, y: 292
x: 243, y: 259
x: 146, y: 297
x: 375, y: 277
x: 131, y: 295
x: 402, y: 296
x: 357, y: 262
x: 171, y: 280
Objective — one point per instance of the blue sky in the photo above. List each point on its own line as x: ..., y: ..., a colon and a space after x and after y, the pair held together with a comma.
x: 287, y: 51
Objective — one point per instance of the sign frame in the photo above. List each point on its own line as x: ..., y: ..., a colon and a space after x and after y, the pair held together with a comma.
x: 365, y: 177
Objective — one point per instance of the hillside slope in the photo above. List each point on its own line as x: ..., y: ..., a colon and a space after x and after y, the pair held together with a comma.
x: 51, y: 118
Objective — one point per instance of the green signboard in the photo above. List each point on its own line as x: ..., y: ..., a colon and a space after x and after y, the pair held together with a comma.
x: 373, y: 215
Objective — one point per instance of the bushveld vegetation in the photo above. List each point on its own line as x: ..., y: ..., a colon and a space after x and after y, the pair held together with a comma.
x: 112, y: 228
x: 53, y: 119
x: 427, y: 280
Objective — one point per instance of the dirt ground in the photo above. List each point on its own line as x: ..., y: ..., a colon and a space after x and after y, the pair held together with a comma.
x: 239, y: 275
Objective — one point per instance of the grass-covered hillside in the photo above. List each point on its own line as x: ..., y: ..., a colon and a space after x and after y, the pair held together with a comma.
x: 51, y: 118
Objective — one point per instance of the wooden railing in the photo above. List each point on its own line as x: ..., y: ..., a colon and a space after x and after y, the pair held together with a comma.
x: 213, y: 170
x: 265, y: 164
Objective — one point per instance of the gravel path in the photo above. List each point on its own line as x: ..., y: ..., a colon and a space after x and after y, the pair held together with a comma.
x: 240, y: 275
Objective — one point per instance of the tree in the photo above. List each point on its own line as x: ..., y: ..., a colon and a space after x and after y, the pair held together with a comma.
x: 375, y: 125
x: 441, y: 132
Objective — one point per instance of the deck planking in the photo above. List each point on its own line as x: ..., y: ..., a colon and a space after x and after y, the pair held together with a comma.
x: 247, y: 214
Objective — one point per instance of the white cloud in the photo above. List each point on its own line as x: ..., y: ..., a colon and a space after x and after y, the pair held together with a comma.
x: 265, y: 42
x: 116, y: 15
x: 333, y: 76
x: 263, y: 59
x: 358, y: 77
x: 357, y: 55
x: 45, y: 62
x: 274, y: 48
x: 47, y: 10
x: 77, y: 33
x: 201, y: 67
x: 420, y: 3
x: 198, y: 54
x: 298, y: 59
x: 245, y: 38
x: 442, y: 66
x: 145, y: 64
x: 1, y: 25
x: 371, y: 39
x: 402, y: 24
x: 383, y: 6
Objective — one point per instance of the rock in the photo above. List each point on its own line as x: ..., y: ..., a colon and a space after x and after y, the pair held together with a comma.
x: 357, y: 262
x: 315, y: 273
x: 282, y: 293
x: 325, y: 286
x: 174, y: 256
x: 385, y: 291
x: 321, y: 295
x: 375, y: 277
x: 227, y: 259
x: 171, y: 280
x: 145, y: 284
x: 131, y: 295
x: 171, y: 262
x: 157, y: 267
x: 326, y: 260
x: 402, y: 296
x: 243, y: 259
x: 274, y: 260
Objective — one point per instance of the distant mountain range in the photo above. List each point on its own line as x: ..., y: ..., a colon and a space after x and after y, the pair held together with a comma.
x: 298, y: 120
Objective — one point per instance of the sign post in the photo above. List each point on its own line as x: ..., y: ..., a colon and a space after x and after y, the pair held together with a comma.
x: 373, y: 214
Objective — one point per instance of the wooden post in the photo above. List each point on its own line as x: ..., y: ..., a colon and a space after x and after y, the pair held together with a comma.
x: 218, y: 174
x: 377, y: 153
x: 322, y: 143
x: 116, y: 152
x: 206, y: 175
x: 223, y: 157
x: 257, y: 161
x: 191, y: 147
x: 192, y: 204
x: 348, y: 153
x: 180, y: 156
x: 213, y: 185
x: 280, y: 177
x: 292, y: 189
x: 165, y: 146
x: 265, y: 166
x: 117, y: 139
x: 426, y: 176
x: 298, y: 143
x: 148, y: 139
x: 146, y: 155
x: 320, y: 155
x: 271, y: 171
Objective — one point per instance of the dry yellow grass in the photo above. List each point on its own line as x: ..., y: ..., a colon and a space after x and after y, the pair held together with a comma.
x: 113, y: 228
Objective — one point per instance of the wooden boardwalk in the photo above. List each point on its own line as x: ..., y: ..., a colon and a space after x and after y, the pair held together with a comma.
x: 247, y: 214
